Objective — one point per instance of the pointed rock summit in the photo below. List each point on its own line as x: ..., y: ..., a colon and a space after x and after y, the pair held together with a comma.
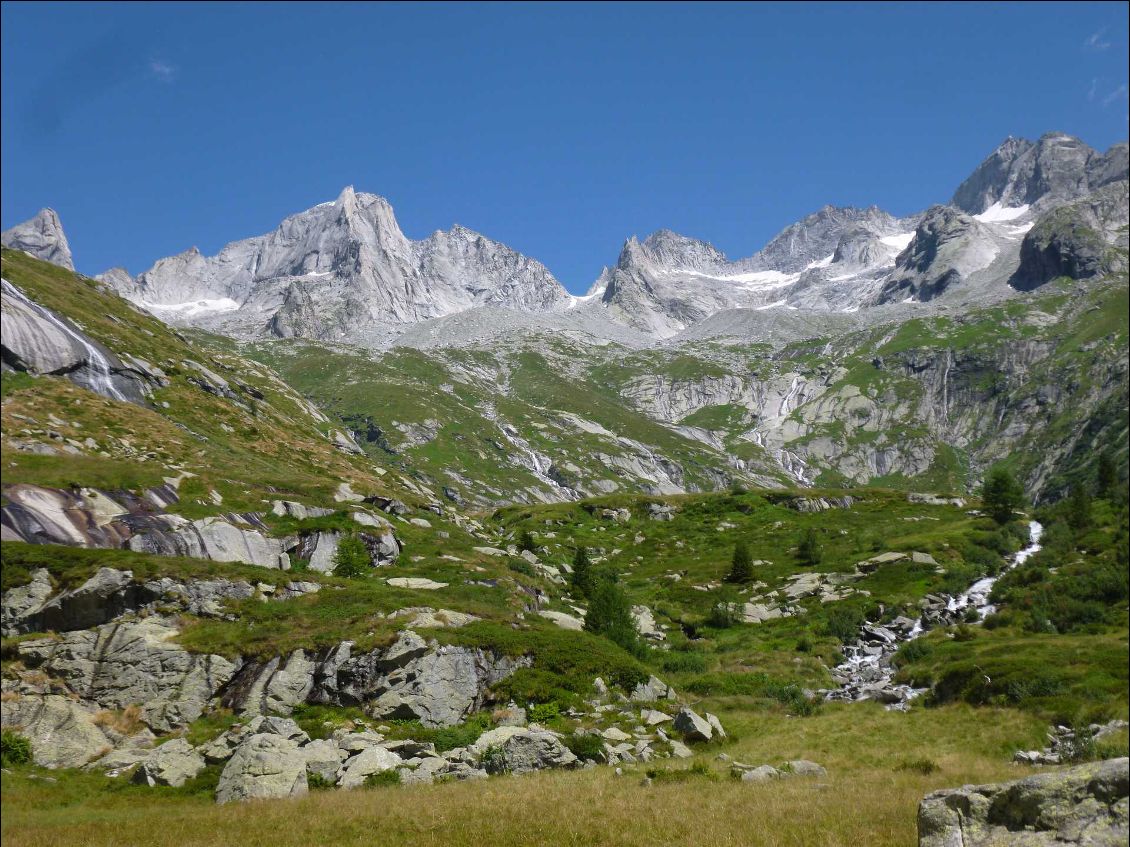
x: 342, y: 269
x: 42, y: 237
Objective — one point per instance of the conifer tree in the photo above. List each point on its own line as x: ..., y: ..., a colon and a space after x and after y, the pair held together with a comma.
x: 610, y: 615
x: 582, y: 579
x: 810, y: 551
x: 741, y: 568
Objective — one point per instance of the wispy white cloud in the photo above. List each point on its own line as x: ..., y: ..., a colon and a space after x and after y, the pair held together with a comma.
x: 1097, y: 42
x: 1094, y: 90
x: 162, y: 70
x: 1119, y: 93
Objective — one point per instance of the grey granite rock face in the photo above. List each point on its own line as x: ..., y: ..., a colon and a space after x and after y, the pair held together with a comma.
x: 948, y: 245
x: 42, y: 237
x: 61, y: 731
x: 1081, y: 240
x: 1086, y: 805
x: 342, y: 268
x: 38, y: 341
x: 1053, y: 170
x: 173, y: 763
x: 133, y: 663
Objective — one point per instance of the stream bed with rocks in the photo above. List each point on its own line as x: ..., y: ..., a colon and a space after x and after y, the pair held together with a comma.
x: 867, y: 672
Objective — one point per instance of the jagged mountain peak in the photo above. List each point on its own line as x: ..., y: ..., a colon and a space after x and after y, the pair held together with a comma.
x: 1055, y: 169
x: 357, y: 272
x: 42, y: 236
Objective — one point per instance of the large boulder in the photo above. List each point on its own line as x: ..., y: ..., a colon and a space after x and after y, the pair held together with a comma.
x: 263, y: 766
x: 1083, y: 805
x: 512, y: 749
x: 369, y: 761
x: 692, y: 726
x: 173, y: 763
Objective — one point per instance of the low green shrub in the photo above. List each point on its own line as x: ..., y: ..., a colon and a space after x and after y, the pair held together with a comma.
x: 15, y: 749
x: 585, y: 746
x: 382, y: 779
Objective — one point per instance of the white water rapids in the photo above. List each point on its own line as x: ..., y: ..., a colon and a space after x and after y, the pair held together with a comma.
x: 866, y: 671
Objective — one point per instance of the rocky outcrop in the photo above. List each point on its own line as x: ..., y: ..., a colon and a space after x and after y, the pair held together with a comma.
x: 1082, y: 240
x: 91, y: 518
x: 38, y: 341
x: 129, y: 663
x: 62, y: 732
x: 442, y: 687
x: 211, y: 538
x: 42, y: 237
x: 111, y: 594
x: 1086, y: 805
x: 948, y: 246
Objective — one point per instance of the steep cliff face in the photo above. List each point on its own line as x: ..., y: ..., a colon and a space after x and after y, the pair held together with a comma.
x: 935, y: 399
x: 1081, y: 240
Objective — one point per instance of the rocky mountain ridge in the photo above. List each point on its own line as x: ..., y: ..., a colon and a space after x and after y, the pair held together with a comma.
x: 343, y: 271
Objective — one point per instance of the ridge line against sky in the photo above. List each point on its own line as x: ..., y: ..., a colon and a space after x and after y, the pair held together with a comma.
x: 557, y: 129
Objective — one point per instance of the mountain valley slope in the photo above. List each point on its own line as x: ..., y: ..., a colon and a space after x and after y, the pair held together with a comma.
x: 193, y: 457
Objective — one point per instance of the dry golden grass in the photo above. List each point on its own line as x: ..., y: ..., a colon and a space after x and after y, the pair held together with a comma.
x: 866, y: 801
x: 125, y: 721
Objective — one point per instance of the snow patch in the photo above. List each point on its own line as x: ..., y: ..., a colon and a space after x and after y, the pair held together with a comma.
x: 821, y: 263
x: 900, y: 241
x: 997, y: 213
x: 196, y: 307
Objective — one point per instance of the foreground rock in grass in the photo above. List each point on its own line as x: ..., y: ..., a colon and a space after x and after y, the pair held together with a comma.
x: 512, y: 749
x: 1086, y: 805
x: 263, y: 766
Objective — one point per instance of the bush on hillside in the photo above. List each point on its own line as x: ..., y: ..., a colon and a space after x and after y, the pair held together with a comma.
x: 1001, y: 495
x: 351, y: 559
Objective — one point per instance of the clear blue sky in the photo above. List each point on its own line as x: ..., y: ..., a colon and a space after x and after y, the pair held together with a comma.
x: 559, y: 130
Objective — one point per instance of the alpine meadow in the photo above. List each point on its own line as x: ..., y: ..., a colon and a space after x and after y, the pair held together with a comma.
x: 334, y: 535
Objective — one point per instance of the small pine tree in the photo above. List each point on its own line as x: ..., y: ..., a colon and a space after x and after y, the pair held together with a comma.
x: 1001, y: 495
x: 1107, y: 476
x: 526, y: 541
x: 351, y: 559
x: 741, y: 568
x: 1079, y: 508
x: 809, y: 551
x: 610, y: 615
x: 582, y: 577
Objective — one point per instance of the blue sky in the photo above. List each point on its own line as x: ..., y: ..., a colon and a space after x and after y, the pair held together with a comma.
x: 557, y: 129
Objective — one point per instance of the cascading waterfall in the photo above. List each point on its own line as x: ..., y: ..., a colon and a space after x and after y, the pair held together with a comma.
x: 99, y: 373
x: 866, y: 671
